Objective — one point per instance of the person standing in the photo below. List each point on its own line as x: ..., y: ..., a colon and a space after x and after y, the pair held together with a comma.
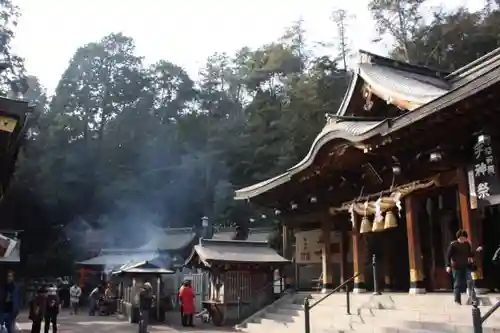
x: 37, y: 310
x: 460, y: 260
x: 94, y: 300
x: 75, y: 292
x: 187, y: 296
x: 180, y: 302
x: 110, y: 299
x: 9, y: 303
x: 145, y: 305
x: 52, y: 306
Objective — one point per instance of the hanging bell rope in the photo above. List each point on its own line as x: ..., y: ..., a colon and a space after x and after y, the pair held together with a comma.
x: 392, y: 200
x: 378, y: 220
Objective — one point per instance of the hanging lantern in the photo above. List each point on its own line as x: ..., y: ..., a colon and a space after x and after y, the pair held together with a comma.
x: 366, y: 225
x: 390, y: 220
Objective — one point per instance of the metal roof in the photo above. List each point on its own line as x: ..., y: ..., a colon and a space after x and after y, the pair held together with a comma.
x: 119, y: 259
x: 155, y: 266
x: 394, y: 85
x: 210, y: 250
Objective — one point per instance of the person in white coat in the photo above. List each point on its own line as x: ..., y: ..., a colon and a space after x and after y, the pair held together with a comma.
x: 75, y: 292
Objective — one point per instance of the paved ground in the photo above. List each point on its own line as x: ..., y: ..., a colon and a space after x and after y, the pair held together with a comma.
x: 85, y: 324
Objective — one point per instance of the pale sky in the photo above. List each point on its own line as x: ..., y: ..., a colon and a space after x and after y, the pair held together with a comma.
x: 184, y: 32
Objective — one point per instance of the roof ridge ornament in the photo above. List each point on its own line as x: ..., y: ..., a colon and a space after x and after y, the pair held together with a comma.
x: 330, y: 118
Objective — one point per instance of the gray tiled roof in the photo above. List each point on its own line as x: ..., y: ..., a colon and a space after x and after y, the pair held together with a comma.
x: 168, y: 239
x: 254, y: 234
x: 236, y: 252
x: 114, y: 258
x: 393, y: 83
x: 155, y: 266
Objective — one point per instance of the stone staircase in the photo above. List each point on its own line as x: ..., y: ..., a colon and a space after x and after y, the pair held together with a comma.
x: 389, y: 312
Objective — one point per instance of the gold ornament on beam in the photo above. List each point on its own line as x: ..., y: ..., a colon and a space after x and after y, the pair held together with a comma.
x: 390, y: 220
x: 378, y: 222
x: 366, y: 225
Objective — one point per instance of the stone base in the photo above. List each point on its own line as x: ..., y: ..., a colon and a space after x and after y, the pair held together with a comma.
x: 358, y: 291
x: 326, y: 287
x: 481, y: 291
x: 416, y: 291
x: 417, y: 288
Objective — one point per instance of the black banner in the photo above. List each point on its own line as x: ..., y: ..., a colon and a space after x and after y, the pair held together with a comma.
x: 485, y: 177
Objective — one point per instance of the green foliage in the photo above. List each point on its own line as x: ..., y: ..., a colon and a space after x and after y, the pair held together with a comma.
x: 120, y: 143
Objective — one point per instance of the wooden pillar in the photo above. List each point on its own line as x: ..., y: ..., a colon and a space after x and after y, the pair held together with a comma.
x: 344, y: 248
x: 286, y: 243
x: 326, y: 256
x: 470, y: 223
x: 414, y: 250
x: 358, y: 255
x: 388, y: 248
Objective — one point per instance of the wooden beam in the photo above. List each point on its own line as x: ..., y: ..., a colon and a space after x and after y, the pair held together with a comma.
x: 296, y: 220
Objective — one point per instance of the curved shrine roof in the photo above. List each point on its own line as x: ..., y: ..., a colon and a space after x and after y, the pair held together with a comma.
x: 418, y: 90
x: 347, y: 131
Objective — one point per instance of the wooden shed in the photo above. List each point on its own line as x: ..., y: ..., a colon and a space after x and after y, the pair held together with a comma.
x: 241, y: 276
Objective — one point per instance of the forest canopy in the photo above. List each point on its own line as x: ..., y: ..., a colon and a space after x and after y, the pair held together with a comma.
x: 120, y: 143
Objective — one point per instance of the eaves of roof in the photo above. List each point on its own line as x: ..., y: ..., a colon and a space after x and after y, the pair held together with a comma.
x: 350, y: 131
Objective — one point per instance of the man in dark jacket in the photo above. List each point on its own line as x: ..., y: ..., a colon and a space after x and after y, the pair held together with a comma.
x: 10, y: 299
x: 460, y: 260
x: 52, y: 306
x: 145, y: 305
x: 37, y: 310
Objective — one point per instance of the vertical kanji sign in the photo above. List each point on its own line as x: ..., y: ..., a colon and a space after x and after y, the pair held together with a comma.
x: 485, y: 176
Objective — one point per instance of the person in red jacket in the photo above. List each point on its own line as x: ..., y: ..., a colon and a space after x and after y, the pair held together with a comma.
x: 186, y: 297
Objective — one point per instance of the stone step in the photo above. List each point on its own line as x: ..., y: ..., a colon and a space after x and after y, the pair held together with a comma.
x: 388, y: 302
x: 384, y: 317
x: 374, y: 315
x: 380, y: 314
x: 369, y: 326
x: 489, y: 299
x: 448, y: 309
x: 277, y: 327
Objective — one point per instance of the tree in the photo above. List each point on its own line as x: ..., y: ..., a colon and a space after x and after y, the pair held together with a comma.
x: 121, y: 143
x: 341, y: 18
x: 13, y: 75
x: 399, y: 19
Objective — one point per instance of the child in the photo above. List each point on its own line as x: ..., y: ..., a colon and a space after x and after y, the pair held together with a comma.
x: 37, y: 310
